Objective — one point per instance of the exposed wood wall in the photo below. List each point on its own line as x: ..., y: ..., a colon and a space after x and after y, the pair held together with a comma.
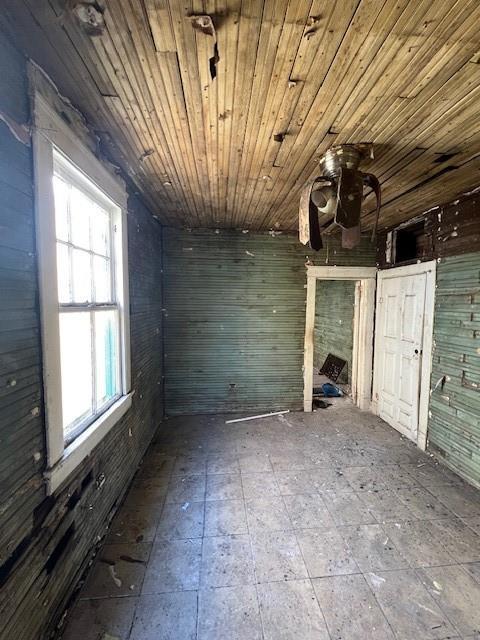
x: 450, y: 230
x: 235, y: 318
x: 453, y: 238
x: 46, y: 543
x: 333, y: 331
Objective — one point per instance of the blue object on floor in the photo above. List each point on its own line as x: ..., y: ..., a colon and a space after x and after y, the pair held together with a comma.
x: 331, y: 391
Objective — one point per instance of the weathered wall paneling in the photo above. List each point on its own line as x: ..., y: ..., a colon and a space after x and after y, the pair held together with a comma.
x: 235, y: 318
x: 46, y: 543
x: 450, y: 230
x: 333, y: 331
x: 454, y: 425
x: 22, y: 439
x: 453, y: 238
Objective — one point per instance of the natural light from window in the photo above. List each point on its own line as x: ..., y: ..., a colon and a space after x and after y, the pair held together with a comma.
x: 89, y: 314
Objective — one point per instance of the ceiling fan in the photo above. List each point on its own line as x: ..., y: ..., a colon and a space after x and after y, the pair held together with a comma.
x: 335, y: 197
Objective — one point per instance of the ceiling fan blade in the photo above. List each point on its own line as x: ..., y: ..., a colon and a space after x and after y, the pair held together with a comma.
x: 308, y: 214
x: 372, y: 181
x: 349, y: 196
x: 316, y: 242
x: 303, y: 213
x: 351, y: 237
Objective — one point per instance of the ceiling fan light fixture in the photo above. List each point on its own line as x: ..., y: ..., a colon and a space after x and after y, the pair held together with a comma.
x: 324, y: 199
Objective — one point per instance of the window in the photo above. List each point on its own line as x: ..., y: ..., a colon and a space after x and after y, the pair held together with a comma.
x: 83, y: 293
x: 88, y: 308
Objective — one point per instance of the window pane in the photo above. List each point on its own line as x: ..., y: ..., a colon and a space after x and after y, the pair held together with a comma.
x: 101, y: 231
x: 106, y: 353
x: 61, y: 194
x: 76, y: 363
x: 82, y: 277
x: 80, y: 209
x: 102, y: 280
x: 63, y: 273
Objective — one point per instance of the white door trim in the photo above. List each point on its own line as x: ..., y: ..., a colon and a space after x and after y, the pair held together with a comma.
x: 429, y: 268
x: 363, y: 323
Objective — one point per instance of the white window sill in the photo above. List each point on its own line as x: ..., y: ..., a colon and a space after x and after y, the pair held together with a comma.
x: 82, y: 446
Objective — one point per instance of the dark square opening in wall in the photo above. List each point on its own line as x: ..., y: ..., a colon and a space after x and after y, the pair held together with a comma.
x: 410, y: 243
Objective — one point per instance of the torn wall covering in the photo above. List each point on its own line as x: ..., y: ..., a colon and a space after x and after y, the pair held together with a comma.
x: 46, y: 543
x: 452, y: 237
x: 235, y: 318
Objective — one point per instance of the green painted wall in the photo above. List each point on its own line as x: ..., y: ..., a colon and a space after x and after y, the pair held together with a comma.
x: 47, y: 542
x: 454, y: 424
x: 334, y: 323
x: 234, y: 318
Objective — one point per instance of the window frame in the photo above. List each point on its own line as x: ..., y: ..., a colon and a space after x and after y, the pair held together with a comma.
x: 51, y: 133
x: 64, y: 169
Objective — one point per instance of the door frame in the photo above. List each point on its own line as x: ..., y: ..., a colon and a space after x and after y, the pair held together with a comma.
x: 430, y: 269
x: 363, y: 330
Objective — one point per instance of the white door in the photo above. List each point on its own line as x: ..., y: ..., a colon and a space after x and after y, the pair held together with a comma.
x: 399, y: 335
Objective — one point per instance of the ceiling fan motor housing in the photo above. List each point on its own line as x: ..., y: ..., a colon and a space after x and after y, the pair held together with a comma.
x: 343, y: 156
x: 338, y: 194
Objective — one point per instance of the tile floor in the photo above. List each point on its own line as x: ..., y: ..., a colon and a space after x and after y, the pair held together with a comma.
x: 323, y: 526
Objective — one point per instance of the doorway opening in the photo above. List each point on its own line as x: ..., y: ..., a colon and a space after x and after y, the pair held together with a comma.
x: 333, y: 341
x: 359, y: 360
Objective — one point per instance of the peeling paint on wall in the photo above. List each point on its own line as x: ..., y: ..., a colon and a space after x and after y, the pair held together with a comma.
x: 454, y: 424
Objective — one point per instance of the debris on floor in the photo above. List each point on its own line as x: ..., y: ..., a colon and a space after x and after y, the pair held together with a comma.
x: 331, y: 391
x: 327, y: 390
x: 376, y: 580
x: 261, y: 415
x: 340, y: 496
x: 333, y: 367
x: 115, y: 578
x: 318, y: 403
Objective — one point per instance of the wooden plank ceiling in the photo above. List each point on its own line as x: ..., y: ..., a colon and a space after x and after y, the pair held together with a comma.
x: 293, y: 78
